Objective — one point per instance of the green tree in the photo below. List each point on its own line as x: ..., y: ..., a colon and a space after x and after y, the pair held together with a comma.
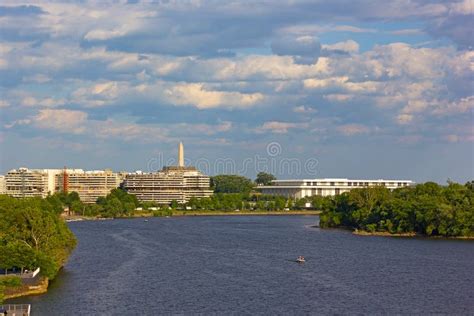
x: 231, y: 184
x: 174, y: 204
x: 427, y: 209
x: 32, y: 235
x: 264, y: 178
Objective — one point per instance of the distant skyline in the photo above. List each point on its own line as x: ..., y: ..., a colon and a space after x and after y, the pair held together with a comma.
x: 363, y: 89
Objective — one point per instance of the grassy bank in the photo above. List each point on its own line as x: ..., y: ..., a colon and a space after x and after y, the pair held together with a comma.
x: 408, y: 234
x: 23, y: 290
x: 145, y: 214
x: 243, y: 213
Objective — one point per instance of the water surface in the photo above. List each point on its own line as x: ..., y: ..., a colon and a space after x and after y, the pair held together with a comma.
x: 244, y: 265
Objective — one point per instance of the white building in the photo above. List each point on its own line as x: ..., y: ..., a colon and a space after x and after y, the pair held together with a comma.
x: 173, y: 183
x: 325, y: 187
x: 3, y: 185
x: 90, y: 185
x: 24, y: 182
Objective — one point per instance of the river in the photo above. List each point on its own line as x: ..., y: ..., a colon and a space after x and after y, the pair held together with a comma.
x: 245, y: 265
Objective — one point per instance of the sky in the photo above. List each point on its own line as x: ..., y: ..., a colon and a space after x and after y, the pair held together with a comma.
x: 302, y: 89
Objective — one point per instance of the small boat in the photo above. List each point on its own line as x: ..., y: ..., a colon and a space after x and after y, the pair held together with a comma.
x: 146, y: 220
x: 300, y: 259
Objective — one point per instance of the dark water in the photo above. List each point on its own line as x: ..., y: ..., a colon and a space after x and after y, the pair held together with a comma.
x: 243, y: 265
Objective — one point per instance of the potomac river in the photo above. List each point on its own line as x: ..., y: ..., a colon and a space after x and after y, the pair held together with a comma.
x: 245, y: 265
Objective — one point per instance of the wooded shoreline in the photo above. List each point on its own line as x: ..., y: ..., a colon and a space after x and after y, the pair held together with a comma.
x: 196, y: 213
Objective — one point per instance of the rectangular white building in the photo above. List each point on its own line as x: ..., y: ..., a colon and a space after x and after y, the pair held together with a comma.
x: 24, y: 182
x: 90, y: 185
x: 325, y: 187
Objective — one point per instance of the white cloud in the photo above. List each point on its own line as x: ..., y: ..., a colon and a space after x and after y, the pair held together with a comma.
x: 69, y: 121
x: 99, y: 94
x: 280, y: 127
x: 349, y: 46
x: 195, y: 94
x: 464, y: 105
x: 465, y: 7
x: 352, y: 129
x: 47, y: 102
x: 404, y: 118
x: 324, y: 83
x: 338, y: 97
x: 304, y: 109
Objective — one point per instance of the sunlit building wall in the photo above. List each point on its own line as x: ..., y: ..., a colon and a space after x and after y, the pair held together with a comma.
x: 325, y: 187
x: 90, y: 185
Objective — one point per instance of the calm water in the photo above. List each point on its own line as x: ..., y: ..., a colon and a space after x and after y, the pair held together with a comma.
x: 243, y: 265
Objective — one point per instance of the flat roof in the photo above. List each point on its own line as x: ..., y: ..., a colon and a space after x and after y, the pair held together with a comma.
x: 340, y: 179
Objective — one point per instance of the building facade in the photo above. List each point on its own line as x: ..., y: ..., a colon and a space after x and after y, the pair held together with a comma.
x: 174, y: 183
x: 325, y: 187
x: 90, y: 185
x: 24, y: 182
x: 3, y: 185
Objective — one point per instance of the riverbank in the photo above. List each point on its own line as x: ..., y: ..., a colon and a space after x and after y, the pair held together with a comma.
x: 76, y: 218
x: 359, y: 232
x: 408, y: 234
x: 245, y: 213
x: 39, y: 287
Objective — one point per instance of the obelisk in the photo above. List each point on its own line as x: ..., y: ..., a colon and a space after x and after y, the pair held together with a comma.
x: 180, y: 155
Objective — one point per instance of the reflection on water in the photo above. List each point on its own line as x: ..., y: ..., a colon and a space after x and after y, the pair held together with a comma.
x: 246, y: 265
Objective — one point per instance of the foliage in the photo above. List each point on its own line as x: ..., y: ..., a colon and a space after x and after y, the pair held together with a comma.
x: 427, y: 209
x: 10, y: 281
x: 264, y: 178
x: 239, y: 201
x: 32, y: 235
x: 118, y: 203
x: 225, y: 183
x: 163, y: 211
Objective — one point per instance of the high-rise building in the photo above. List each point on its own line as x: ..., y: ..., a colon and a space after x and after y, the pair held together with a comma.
x: 173, y: 183
x: 24, y: 182
x: 90, y: 185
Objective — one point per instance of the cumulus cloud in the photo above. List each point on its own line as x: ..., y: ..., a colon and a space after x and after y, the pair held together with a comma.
x: 127, y: 71
x: 304, y: 49
x: 352, y: 129
x: 196, y: 94
x: 304, y: 109
x: 457, y: 24
x: 62, y: 120
x: 347, y: 47
x: 281, y: 127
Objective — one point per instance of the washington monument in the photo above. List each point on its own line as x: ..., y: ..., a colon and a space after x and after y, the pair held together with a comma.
x: 180, y: 155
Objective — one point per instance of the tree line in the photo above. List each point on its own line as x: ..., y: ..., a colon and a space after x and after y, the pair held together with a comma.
x: 427, y: 209
x: 231, y: 192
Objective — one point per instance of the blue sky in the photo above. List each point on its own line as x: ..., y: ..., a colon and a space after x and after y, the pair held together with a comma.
x: 361, y: 89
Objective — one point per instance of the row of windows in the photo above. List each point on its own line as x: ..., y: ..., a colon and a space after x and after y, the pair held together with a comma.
x: 355, y: 184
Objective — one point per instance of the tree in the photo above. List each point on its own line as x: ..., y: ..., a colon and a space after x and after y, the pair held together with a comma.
x: 264, y: 178
x: 32, y: 235
x: 231, y: 184
x: 174, y: 204
x: 427, y: 209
